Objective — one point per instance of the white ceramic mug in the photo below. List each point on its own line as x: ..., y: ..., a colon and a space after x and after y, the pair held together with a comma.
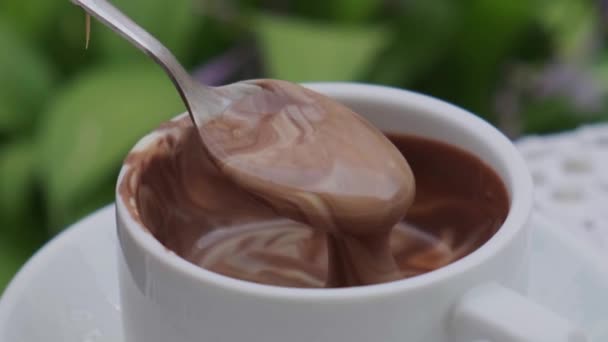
x: 477, y: 298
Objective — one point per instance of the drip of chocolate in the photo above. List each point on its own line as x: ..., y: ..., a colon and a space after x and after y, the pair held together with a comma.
x: 315, y: 161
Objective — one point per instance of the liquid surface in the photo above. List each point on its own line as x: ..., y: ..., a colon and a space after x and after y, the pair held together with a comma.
x: 195, y: 210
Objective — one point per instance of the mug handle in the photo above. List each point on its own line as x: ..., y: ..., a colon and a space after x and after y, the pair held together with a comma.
x: 493, y: 313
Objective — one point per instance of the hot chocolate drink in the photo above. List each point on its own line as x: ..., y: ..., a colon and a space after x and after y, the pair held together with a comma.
x: 195, y: 210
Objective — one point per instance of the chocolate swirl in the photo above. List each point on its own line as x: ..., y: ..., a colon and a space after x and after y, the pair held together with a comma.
x: 313, y: 160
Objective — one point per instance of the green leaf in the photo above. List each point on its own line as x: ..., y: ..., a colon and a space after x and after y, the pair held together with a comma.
x: 18, y: 241
x: 491, y: 29
x: 487, y: 36
x: 11, y: 258
x: 21, y: 229
x: 91, y: 126
x: 17, y: 166
x: 299, y: 50
x: 26, y: 81
x: 570, y: 23
x: 353, y: 10
x: 30, y: 18
x: 173, y: 22
x: 411, y: 54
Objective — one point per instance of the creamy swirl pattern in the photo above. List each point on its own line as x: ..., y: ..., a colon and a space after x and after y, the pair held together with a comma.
x: 313, y: 160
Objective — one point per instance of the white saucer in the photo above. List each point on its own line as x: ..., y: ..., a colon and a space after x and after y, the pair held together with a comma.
x: 68, y: 291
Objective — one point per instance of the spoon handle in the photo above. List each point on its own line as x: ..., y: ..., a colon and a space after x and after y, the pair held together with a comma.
x: 194, y: 94
x: 119, y: 22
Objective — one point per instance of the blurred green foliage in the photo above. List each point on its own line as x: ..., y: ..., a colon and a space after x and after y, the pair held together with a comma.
x: 68, y: 116
x: 88, y: 127
x: 325, y: 51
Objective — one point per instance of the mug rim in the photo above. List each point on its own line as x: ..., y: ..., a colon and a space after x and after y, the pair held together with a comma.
x: 519, y: 210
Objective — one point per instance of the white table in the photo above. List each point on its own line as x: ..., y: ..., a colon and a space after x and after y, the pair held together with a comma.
x: 570, y: 172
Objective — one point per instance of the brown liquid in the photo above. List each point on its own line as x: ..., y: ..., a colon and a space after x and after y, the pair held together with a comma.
x: 196, y: 211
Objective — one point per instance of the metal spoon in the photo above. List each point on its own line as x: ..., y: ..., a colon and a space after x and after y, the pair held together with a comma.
x: 307, y: 156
